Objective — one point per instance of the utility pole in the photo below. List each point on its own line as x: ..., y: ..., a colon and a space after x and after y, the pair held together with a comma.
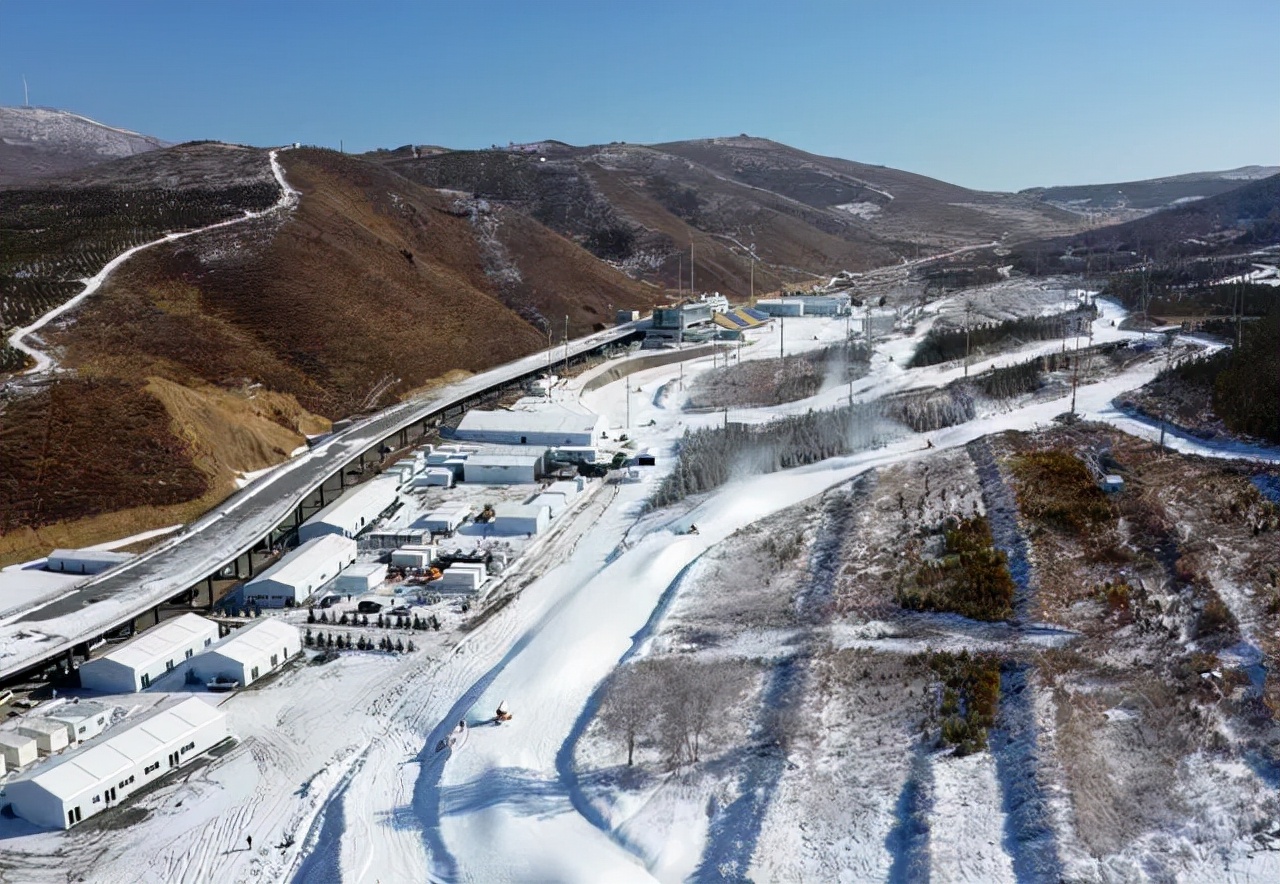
x: 550, y: 351
x: 566, y: 346
x: 691, y: 288
x: 782, y: 335
x: 752, y: 300
x: 1168, y: 363
x: 628, y: 383
x: 968, y: 324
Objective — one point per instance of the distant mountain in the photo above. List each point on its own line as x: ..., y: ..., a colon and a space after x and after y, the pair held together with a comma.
x: 36, y: 142
x: 1130, y: 198
x: 641, y: 207
x: 1242, y: 219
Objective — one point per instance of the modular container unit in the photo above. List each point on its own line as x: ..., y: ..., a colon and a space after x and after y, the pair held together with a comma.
x: 414, y: 557
x: 520, y: 518
x: 360, y: 578
x: 18, y: 750
x: 50, y: 736
x: 83, y: 721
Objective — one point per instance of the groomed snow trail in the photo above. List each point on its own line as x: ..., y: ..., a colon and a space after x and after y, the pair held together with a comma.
x: 288, y: 199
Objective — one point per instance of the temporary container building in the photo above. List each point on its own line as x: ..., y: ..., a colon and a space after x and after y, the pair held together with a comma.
x: 18, y: 750
x: 360, y: 578
x: 353, y: 512
x: 140, y: 661
x: 250, y: 652
x: 461, y: 577
x: 445, y: 519
x: 295, y: 577
x: 68, y: 789
x: 50, y: 736
x: 547, y: 425
x: 521, y: 518
x: 83, y: 721
x: 414, y: 556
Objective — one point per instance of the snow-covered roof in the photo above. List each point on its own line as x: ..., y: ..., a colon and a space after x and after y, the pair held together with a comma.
x: 15, y: 740
x: 70, y: 774
x: 567, y: 487
x: 503, y: 460
x: 160, y: 641
x: 90, y: 555
x: 247, y: 644
x: 549, y: 419
x: 75, y: 713
x: 362, y: 502
x: 364, y: 569
x: 42, y: 726
x: 303, y: 561
x: 520, y: 510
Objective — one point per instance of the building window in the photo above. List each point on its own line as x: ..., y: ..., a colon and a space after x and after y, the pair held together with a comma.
x: 97, y: 798
x: 253, y: 673
x: 73, y: 815
x: 187, y: 748
x: 207, y: 642
x: 275, y: 660
x: 81, y: 730
x: 146, y: 680
x: 189, y: 653
x: 151, y: 768
x: 168, y: 664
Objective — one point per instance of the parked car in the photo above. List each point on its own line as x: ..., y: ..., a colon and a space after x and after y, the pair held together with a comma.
x: 368, y: 607
x: 402, y: 611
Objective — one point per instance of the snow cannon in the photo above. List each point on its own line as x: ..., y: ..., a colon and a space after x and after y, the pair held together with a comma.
x: 503, y: 713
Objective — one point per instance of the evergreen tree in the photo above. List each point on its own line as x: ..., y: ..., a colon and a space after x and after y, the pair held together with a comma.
x: 399, y: 646
x: 311, y: 615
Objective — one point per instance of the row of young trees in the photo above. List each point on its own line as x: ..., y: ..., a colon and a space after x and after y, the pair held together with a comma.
x: 710, y: 457
x: 676, y: 705
x: 944, y: 345
x: 344, y: 643
x: 400, y: 621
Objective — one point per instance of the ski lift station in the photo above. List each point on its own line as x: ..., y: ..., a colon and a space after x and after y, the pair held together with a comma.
x: 543, y: 424
x: 250, y: 652
x: 301, y: 572
x: 136, y: 664
x: 84, y: 561
x: 354, y: 511
x: 69, y: 788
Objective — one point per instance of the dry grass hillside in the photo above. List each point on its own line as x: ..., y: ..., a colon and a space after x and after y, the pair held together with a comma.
x: 641, y: 207
x: 214, y: 355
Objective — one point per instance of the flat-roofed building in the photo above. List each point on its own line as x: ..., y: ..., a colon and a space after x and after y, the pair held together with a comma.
x: 354, y: 511
x: 137, y: 663
x: 50, y: 736
x: 84, y: 561
x: 547, y: 425
x: 83, y: 721
x: 17, y: 750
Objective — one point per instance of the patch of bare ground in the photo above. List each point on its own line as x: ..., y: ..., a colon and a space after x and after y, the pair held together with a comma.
x: 1160, y: 711
x: 899, y: 527
x: 763, y: 382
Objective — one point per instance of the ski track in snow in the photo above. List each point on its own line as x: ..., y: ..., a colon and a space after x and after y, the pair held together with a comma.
x: 44, y: 363
x: 377, y: 803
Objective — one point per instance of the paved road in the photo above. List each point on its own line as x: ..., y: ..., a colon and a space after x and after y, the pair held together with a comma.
x: 219, y: 537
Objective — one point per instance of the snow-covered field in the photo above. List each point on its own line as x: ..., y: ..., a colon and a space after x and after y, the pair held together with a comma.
x: 336, y: 773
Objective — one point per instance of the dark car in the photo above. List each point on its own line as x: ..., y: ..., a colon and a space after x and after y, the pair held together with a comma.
x: 368, y: 607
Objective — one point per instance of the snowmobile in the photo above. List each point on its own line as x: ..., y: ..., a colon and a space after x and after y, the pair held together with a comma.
x: 502, y: 714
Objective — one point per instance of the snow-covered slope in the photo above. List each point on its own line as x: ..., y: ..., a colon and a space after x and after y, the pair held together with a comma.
x: 40, y: 141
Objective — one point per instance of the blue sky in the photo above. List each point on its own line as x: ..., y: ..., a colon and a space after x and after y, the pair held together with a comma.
x: 988, y: 95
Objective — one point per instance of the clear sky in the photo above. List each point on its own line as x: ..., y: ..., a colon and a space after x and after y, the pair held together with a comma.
x: 988, y: 95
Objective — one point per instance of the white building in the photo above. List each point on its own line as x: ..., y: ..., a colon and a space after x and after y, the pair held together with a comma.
x: 360, y: 578
x: 72, y: 787
x: 520, y: 518
x: 433, y: 477
x: 548, y: 425
x: 136, y: 664
x: 503, y: 469
x: 781, y: 306
x: 570, y: 488
x: 461, y: 577
x: 353, y: 512
x: 18, y: 750
x: 414, y: 556
x: 553, y: 501
x: 445, y: 519
x: 391, y: 538
x: 84, y: 561
x: 293, y: 579
x: 83, y: 721
x: 50, y: 736
x: 250, y: 652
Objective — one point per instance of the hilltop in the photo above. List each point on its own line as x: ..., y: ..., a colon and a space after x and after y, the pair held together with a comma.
x: 37, y: 142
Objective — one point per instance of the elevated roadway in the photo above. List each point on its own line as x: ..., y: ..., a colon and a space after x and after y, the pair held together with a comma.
x: 219, y: 538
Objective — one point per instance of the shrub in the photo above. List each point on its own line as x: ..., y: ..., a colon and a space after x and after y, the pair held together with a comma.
x: 972, y: 579
x: 1056, y: 489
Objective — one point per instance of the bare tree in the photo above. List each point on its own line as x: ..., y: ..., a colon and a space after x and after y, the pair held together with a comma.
x: 696, y: 702
x: 630, y: 704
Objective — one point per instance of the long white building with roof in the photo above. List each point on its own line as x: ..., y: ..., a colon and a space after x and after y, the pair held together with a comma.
x: 294, y: 578
x: 354, y: 511
x: 137, y: 663
x: 72, y: 787
x: 250, y: 652
x: 548, y: 425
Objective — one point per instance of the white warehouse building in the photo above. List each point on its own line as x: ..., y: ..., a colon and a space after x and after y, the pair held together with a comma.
x: 549, y: 425
x: 361, y: 578
x: 353, y: 512
x: 503, y: 469
x: 72, y: 787
x: 84, y: 561
x: 136, y: 664
x: 250, y: 652
x: 295, y: 577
